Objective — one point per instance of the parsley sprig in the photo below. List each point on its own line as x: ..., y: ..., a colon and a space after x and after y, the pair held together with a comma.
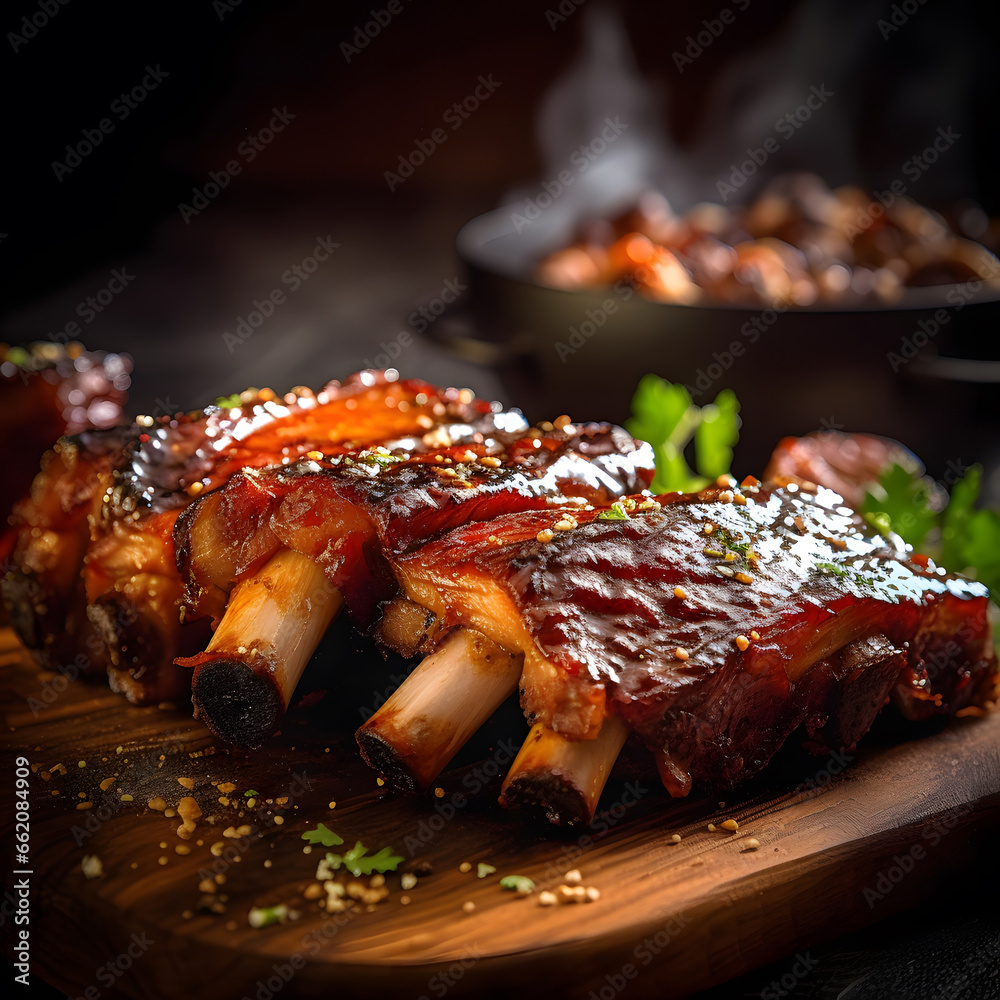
x: 664, y: 415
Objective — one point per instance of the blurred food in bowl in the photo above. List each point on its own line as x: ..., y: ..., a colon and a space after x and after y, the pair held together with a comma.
x: 798, y: 244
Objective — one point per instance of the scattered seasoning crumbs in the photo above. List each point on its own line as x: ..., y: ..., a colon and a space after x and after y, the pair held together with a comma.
x: 380, y: 782
x: 751, y: 843
x: 404, y: 900
x: 547, y: 899
x: 81, y: 763
x: 163, y: 859
x: 468, y: 906
x: 730, y: 824
x: 573, y: 877
x: 517, y: 883
x: 711, y: 828
x: 91, y: 866
x: 188, y: 783
x: 227, y: 788
x: 482, y: 870
x: 107, y: 783
x: 439, y: 792
x: 127, y: 798
x: 278, y: 820
x: 675, y: 839
x: 331, y: 805
x: 264, y: 916
x: 84, y: 805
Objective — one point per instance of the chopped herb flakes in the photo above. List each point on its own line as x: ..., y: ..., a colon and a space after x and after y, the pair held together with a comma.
x: 359, y: 862
x: 517, y: 883
x: 616, y: 512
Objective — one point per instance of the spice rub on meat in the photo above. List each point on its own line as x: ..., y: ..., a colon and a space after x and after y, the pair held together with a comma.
x: 713, y: 624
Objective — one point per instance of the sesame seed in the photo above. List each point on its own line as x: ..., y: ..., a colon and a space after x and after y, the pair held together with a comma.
x: 565, y: 524
x: 675, y: 838
x: 465, y: 867
x: 751, y: 843
x: 573, y: 877
x: 547, y: 899
x: 593, y: 894
x: 544, y: 536
x: 408, y: 881
x: 711, y: 828
x: 739, y: 499
x: 725, y: 571
x: 680, y: 653
x: 468, y: 906
x: 754, y: 634
x: 680, y: 593
x: 743, y: 577
x: 742, y: 642
x: 731, y: 825
x: 709, y: 528
x: 404, y: 900
x: 726, y: 496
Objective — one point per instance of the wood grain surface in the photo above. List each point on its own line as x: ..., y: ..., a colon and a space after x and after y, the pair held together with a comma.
x: 842, y: 844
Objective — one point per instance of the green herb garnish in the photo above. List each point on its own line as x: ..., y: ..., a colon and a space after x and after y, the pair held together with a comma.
x: 664, y: 415
x: 229, y: 402
x: 960, y: 538
x: 616, y: 512
x: 251, y: 793
x: 322, y: 835
x: 359, y: 862
x: 264, y: 916
x: 517, y: 883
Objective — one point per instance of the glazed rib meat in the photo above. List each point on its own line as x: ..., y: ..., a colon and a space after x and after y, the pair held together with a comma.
x: 350, y: 514
x: 126, y: 492
x: 711, y: 624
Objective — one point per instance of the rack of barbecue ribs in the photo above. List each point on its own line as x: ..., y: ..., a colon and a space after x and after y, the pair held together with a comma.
x: 709, y: 626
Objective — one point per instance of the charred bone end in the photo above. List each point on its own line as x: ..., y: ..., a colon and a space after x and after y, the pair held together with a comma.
x: 386, y: 760
x: 239, y: 704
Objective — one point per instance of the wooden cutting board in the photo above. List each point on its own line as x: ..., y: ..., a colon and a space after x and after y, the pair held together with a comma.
x: 842, y: 844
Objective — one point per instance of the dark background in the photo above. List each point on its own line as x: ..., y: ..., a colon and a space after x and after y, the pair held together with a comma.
x: 324, y: 176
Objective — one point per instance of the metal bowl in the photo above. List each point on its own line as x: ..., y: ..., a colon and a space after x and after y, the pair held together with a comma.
x: 794, y: 370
